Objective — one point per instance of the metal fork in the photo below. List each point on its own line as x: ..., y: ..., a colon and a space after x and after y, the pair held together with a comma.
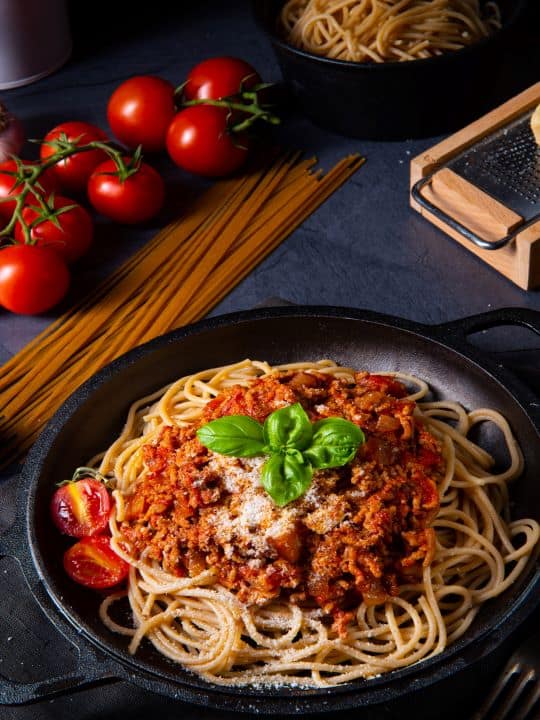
x: 516, y: 693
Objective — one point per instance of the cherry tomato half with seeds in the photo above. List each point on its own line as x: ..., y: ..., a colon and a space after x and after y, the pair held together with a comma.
x: 32, y: 279
x: 140, y: 111
x: 69, y: 233
x: 93, y: 563
x: 81, y: 508
x: 219, y: 77
x: 199, y: 141
x: 73, y: 172
x: 10, y: 189
x: 136, y: 199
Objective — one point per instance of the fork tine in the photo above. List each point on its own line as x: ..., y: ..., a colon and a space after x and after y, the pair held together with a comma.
x: 514, y: 696
x: 531, y: 701
x: 498, y: 688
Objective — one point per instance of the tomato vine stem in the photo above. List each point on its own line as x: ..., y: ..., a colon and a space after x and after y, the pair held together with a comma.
x: 245, y: 103
x: 28, y: 177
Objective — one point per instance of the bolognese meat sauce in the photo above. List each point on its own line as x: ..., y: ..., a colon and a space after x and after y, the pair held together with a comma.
x: 359, y: 531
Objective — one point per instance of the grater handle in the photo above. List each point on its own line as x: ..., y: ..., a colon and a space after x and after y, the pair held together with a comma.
x: 463, y: 230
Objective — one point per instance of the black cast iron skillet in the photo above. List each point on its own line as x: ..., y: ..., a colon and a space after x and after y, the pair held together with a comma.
x: 93, y: 415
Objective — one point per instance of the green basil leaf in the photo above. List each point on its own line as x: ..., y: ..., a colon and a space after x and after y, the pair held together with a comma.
x: 335, y: 442
x: 285, y: 478
x: 294, y: 453
x: 235, y: 435
x: 322, y: 457
x: 288, y: 428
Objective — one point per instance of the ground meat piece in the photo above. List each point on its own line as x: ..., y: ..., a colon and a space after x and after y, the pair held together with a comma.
x: 325, y: 518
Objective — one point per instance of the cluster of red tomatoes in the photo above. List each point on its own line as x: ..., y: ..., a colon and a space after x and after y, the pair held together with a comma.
x: 52, y: 231
x: 200, y: 137
x: 81, y: 509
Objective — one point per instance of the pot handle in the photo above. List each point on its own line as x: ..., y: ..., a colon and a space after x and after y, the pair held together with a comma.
x: 92, y: 666
x: 460, y: 329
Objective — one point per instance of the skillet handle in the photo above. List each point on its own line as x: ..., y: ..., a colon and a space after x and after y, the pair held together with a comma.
x: 89, y: 672
x: 460, y: 329
x: 92, y: 667
x: 12, y: 539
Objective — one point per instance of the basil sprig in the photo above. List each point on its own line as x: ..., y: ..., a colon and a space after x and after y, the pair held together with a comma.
x: 295, y: 446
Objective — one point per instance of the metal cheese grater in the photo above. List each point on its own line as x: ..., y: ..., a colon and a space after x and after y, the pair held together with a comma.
x: 506, y: 165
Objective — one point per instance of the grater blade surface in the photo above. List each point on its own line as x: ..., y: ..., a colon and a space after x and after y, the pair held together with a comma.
x: 506, y: 165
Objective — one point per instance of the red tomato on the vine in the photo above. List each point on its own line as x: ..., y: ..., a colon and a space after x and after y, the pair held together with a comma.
x: 32, y: 279
x: 136, y: 199
x: 73, y: 172
x: 93, y: 563
x: 198, y: 140
x: 69, y: 234
x: 10, y: 189
x: 140, y: 110
x: 219, y: 77
x: 81, y: 508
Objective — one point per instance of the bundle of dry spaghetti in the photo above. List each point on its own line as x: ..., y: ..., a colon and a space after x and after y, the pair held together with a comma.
x: 175, y: 279
x: 386, y: 30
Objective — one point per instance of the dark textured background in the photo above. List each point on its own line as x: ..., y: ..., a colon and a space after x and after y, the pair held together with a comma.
x: 363, y: 248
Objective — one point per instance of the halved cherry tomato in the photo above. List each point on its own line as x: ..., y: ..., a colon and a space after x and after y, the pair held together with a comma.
x: 93, y: 563
x: 198, y: 141
x: 140, y: 110
x: 73, y: 172
x: 9, y: 187
x: 219, y: 77
x: 81, y: 508
x: 133, y: 200
x: 69, y: 233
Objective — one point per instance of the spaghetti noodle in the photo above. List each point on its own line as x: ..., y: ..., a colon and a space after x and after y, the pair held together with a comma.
x: 200, y: 621
x: 386, y: 30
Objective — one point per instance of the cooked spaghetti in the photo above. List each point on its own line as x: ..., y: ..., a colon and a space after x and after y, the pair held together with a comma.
x: 380, y: 564
x: 386, y: 30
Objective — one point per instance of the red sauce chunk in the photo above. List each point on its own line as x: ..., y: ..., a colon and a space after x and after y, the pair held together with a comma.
x: 358, y: 533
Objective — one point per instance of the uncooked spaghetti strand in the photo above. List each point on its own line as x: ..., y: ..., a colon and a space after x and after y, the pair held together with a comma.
x: 304, y: 205
x: 236, y: 224
x: 15, y: 367
x: 113, y: 303
x: 198, y: 213
x: 232, y: 269
x: 205, y: 254
x: 25, y: 355
x: 306, y: 200
x: 71, y: 375
x: 109, y: 345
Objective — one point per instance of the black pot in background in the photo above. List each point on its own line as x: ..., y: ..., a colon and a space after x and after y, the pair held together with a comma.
x: 397, y: 100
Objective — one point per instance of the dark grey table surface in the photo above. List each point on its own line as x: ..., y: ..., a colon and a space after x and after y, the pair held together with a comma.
x: 363, y: 248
